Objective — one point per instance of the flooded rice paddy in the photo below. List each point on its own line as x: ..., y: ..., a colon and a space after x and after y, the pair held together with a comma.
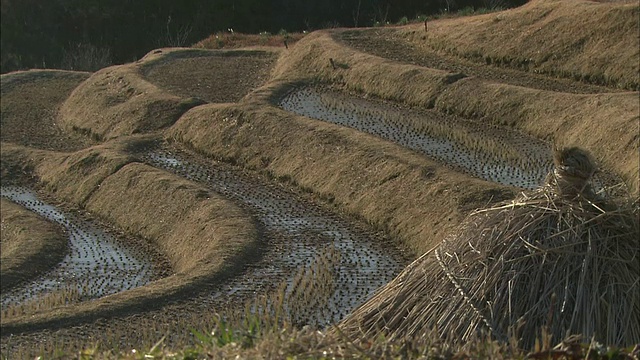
x: 323, y: 263
x: 329, y: 265
x: 498, y: 155
x: 97, y: 264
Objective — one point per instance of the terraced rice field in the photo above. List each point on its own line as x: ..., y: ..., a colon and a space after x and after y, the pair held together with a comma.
x: 326, y: 256
x: 489, y: 153
x: 348, y: 264
x: 98, y: 263
x: 391, y: 44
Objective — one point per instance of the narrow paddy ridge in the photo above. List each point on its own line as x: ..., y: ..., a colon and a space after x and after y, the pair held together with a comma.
x: 498, y: 155
x: 347, y: 264
x: 97, y: 263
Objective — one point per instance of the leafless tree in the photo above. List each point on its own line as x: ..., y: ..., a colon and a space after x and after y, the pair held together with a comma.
x: 448, y: 4
x: 356, y: 14
x: 381, y: 12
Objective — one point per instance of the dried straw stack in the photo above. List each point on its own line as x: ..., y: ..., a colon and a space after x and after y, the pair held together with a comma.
x: 560, y: 258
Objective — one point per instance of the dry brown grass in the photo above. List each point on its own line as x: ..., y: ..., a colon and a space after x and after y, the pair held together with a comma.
x: 605, y: 124
x: 584, y: 40
x: 183, y: 220
x: 73, y: 177
x: 564, y: 264
x: 416, y: 200
x: 116, y: 101
x: 29, y: 244
x: 70, y: 294
x: 392, y: 188
x: 229, y: 40
x: 310, y: 60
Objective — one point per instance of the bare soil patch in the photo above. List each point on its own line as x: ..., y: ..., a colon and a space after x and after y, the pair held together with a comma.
x: 215, y: 76
x: 411, y: 197
x: 30, y: 101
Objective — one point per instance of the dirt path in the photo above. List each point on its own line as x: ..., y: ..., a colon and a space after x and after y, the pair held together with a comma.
x: 388, y: 43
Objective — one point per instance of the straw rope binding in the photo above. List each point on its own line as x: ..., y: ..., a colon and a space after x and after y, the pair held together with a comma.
x: 562, y: 258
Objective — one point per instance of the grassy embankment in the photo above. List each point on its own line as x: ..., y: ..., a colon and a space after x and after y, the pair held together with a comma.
x: 24, y: 255
x: 160, y: 208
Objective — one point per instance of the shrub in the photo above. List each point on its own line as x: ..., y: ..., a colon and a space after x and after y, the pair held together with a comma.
x: 85, y: 57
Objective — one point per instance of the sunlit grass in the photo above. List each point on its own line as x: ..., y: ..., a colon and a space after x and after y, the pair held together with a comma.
x: 233, y: 40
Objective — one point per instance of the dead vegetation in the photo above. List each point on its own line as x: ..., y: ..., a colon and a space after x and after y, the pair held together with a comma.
x: 606, y: 124
x: 580, y: 40
x: 412, y: 198
x: 560, y: 118
x: 29, y: 244
x: 162, y: 209
x: 559, y: 258
x: 234, y: 40
x: 116, y: 101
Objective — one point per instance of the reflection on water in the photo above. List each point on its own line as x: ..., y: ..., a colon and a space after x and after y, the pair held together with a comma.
x: 497, y: 155
x: 347, y: 265
x: 96, y: 263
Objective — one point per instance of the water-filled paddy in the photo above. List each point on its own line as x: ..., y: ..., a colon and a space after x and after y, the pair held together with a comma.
x: 97, y: 264
x: 330, y: 266
x: 498, y: 155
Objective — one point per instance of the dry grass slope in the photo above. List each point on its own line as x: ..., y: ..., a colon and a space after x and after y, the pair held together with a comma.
x: 583, y: 40
x: 390, y: 187
x: 197, y: 229
x: 310, y: 60
x: 605, y: 124
x: 413, y: 198
x: 116, y: 101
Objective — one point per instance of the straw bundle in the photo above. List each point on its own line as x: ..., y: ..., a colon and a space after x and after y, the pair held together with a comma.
x: 560, y: 258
